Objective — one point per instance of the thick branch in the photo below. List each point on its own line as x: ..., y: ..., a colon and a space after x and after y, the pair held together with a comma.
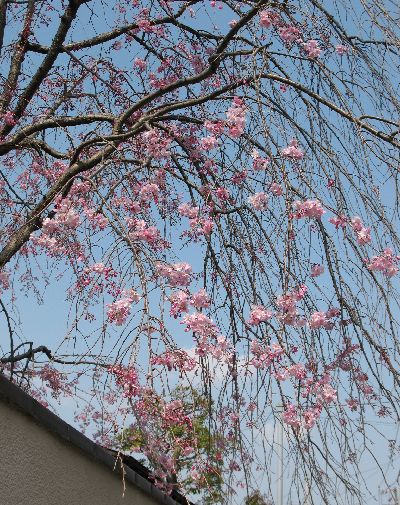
x: 54, y: 50
x: 111, y: 35
x: 56, y: 122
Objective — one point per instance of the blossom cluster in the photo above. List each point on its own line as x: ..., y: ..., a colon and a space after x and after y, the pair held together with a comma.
x: 312, y: 49
x: 139, y: 230
x: 363, y: 233
x: 293, y: 151
x: 289, y: 34
x: 386, y: 263
x: 4, y: 280
x: 264, y: 355
x: 209, y: 143
x: 201, y: 324
x: 177, y: 274
x: 127, y: 379
x: 119, y: 311
x: 149, y: 192
x: 199, y: 226
x: 65, y: 217
x: 325, y: 394
x: 259, y: 314
x: 157, y: 144
x: 308, y: 208
x: 259, y: 201
x: 317, y: 270
x: 189, y: 211
x: 175, y: 360
x: 215, y: 346
x: 288, y: 313
x: 259, y: 162
x: 236, y: 116
x: 323, y: 319
x: 180, y: 301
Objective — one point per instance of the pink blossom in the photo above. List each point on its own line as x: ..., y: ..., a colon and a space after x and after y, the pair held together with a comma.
x: 287, y: 306
x: 290, y: 416
x: 333, y: 312
x: 236, y: 117
x: 65, y: 217
x: 119, y: 311
x: 98, y: 268
x: 312, y: 49
x: 223, y: 194
x: 127, y: 379
x: 239, y: 177
x: 259, y: 314
x: 276, y: 189
x: 175, y: 360
x: 259, y: 163
x: 208, y: 143
x: 221, y: 351
x: 298, y: 371
x: 215, y: 127
x: 268, y: 18
x: 319, y: 320
x: 386, y: 263
x: 4, y: 280
x: 55, y: 380
x: 234, y: 466
x: 341, y: 50
x: 149, y: 192
x: 352, y: 403
x: 50, y: 243
x: 145, y: 25
x: 200, y: 300
x: 156, y: 143
x: 259, y: 201
x: 141, y: 64
x: 200, y: 323
x: 292, y: 151
x: 177, y: 274
x: 289, y: 34
x: 201, y: 226
x: 327, y: 393
x: 264, y: 355
x: 323, y: 319
x: 300, y: 293
x: 197, y: 62
x: 281, y: 375
x: 275, y: 350
x: 356, y: 223
x: 363, y: 234
x: 148, y: 234
x: 187, y: 451
x: 179, y: 303
x: 338, y: 221
x: 317, y: 270
x: 187, y: 210
x: 311, y: 416
x: 8, y: 118
x: 308, y: 208
x: 207, y: 227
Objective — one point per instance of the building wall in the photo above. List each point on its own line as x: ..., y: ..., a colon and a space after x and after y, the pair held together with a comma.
x: 39, y: 468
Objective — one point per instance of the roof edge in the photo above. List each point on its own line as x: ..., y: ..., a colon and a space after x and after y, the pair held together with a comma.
x: 11, y: 394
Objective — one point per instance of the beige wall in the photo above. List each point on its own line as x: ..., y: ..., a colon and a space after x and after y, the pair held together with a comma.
x: 39, y: 468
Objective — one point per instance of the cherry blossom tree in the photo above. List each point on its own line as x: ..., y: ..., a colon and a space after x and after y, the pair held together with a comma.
x: 217, y: 181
